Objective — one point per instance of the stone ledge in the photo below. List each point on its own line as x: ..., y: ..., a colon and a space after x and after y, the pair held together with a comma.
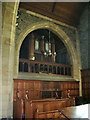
x: 43, y: 76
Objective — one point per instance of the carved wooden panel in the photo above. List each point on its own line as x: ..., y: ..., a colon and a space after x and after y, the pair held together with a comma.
x: 35, y: 89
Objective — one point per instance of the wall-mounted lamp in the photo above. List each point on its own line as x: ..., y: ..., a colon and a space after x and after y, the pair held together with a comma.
x: 16, y: 24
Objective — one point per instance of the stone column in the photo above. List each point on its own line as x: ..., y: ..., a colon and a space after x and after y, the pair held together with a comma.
x: 8, y: 47
x: 0, y: 60
x: 78, y: 53
x: 31, y: 47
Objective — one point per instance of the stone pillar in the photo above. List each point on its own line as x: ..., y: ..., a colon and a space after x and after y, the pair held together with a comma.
x: 0, y: 60
x: 31, y: 47
x: 8, y: 46
x: 78, y: 53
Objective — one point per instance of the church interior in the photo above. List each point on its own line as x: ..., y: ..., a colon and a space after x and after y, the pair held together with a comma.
x: 45, y: 60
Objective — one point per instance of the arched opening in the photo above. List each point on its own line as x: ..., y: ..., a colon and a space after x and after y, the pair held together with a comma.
x: 74, y: 60
x: 42, y: 47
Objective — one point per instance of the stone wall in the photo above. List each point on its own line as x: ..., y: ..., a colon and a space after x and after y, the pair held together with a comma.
x: 8, y: 47
x: 25, y: 19
x: 84, y: 36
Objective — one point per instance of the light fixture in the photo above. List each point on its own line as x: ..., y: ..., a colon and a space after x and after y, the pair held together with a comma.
x: 54, y: 53
x: 16, y: 24
x: 49, y: 51
x: 33, y: 58
x: 17, y: 16
x: 44, y: 53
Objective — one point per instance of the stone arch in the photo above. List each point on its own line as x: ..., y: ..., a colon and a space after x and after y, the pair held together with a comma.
x: 60, y: 33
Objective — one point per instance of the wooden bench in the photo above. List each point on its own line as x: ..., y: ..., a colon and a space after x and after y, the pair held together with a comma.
x: 55, y: 114
x: 18, y: 111
x: 42, y: 106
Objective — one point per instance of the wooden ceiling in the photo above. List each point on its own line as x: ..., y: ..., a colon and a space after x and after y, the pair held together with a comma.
x: 66, y: 12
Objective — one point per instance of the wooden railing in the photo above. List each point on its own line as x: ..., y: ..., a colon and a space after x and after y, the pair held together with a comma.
x: 26, y: 65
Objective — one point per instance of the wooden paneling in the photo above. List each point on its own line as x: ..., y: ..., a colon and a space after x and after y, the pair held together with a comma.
x: 85, y: 74
x: 30, y: 95
x: 19, y: 109
x: 35, y: 89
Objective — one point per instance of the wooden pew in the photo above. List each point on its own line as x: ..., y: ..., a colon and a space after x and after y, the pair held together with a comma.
x: 19, y: 110
x: 49, y: 114
x: 44, y: 105
x: 32, y: 106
